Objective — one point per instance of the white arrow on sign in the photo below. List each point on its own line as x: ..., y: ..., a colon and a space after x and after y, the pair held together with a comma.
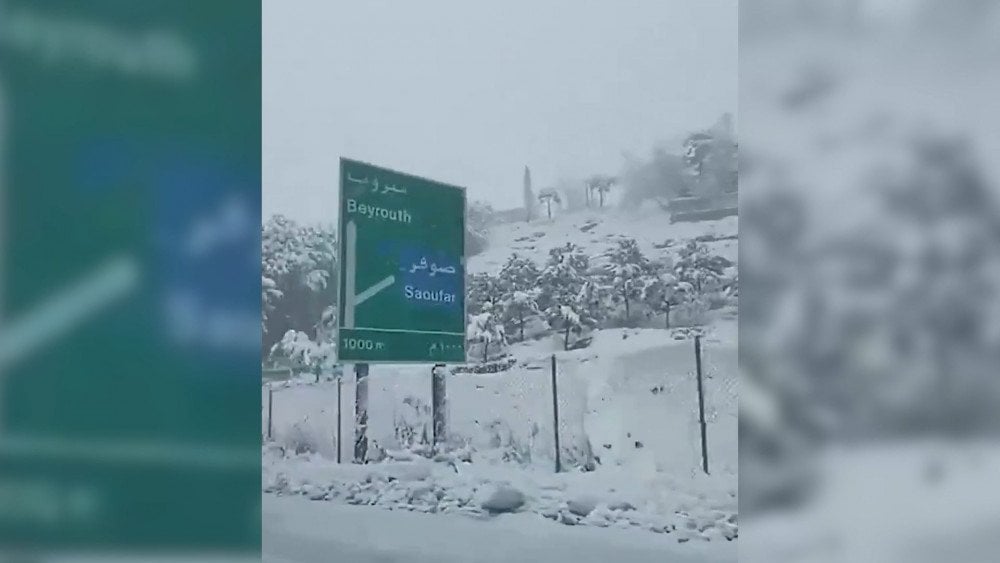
x: 353, y: 299
x: 68, y: 309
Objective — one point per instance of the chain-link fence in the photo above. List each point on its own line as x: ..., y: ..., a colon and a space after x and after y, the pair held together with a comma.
x: 637, y: 406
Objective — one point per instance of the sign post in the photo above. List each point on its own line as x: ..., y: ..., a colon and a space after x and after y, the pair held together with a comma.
x: 401, y: 297
x: 360, y: 413
x: 438, y: 405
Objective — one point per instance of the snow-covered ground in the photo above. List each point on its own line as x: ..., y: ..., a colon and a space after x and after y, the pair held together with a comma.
x: 917, y: 502
x: 631, y: 395
x: 630, y: 398
x: 298, y: 530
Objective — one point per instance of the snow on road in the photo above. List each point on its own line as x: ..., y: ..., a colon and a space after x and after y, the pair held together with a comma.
x: 883, y: 502
x: 300, y: 530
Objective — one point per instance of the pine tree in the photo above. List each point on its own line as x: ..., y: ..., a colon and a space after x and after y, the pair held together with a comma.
x: 627, y: 271
x: 711, y: 158
x: 519, y: 273
x: 486, y: 328
x: 593, y: 301
x: 659, y: 294
x: 484, y: 291
x: 699, y: 268
x: 570, y: 321
x: 518, y: 307
x: 518, y: 282
x: 562, y: 297
x: 529, y: 196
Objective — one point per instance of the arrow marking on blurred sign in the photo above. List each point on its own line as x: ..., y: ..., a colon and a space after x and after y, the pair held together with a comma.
x: 68, y: 309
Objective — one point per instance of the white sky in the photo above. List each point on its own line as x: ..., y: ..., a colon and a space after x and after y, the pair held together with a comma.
x: 471, y: 92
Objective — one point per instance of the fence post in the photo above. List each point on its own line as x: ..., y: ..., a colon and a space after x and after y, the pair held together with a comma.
x: 701, y: 404
x: 360, y: 413
x: 270, y: 410
x: 340, y: 384
x: 438, y: 399
x: 555, y: 413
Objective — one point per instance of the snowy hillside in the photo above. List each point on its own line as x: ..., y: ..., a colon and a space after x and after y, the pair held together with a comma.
x: 628, y: 410
x: 598, y: 230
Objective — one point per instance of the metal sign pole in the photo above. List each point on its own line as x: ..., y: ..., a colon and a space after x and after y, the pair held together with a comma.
x: 360, y: 413
x: 438, y: 404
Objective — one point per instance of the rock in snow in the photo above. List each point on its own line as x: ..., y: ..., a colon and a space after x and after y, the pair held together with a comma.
x: 502, y: 498
x: 582, y: 506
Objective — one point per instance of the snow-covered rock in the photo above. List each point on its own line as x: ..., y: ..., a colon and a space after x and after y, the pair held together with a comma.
x: 582, y: 506
x: 502, y: 498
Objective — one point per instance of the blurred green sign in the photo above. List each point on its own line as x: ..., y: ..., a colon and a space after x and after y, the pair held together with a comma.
x: 129, y: 275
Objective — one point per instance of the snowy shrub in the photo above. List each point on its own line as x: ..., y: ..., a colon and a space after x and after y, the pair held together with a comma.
x: 300, y: 352
x: 519, y: 307
x: 717, y: 300
x: 507, y: 445
x: 412, y: 424
x: 691, y: 312
x: 486, y: 329
x: 299, y: 439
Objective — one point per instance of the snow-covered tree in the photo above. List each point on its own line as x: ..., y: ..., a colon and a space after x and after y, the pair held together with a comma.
x: 593, y: 303
x: 627, y: 270
x: 519, y: 273
x: 659, y: 294
x: 711, y: 157
x: 696, y: 266
x: 518, y: 307
x: 270, y: 294
x: 571, y: 322
x: 297, y: 278
x: 601, y: 184
x: 563, y: 275
x: 518, y: 281
x: 548, y: 196
x: 529, y: 196
x: 486, y: 328
x: 562, y: 295
x: 484, y: 291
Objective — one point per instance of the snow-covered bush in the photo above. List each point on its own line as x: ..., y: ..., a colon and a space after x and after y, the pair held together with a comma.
x: 299, y: 440
x: 627, y: 273
x: 411, y: 425
x: 486, y: 330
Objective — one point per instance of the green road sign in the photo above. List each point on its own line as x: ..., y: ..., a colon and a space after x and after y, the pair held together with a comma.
x: 402, y: 278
